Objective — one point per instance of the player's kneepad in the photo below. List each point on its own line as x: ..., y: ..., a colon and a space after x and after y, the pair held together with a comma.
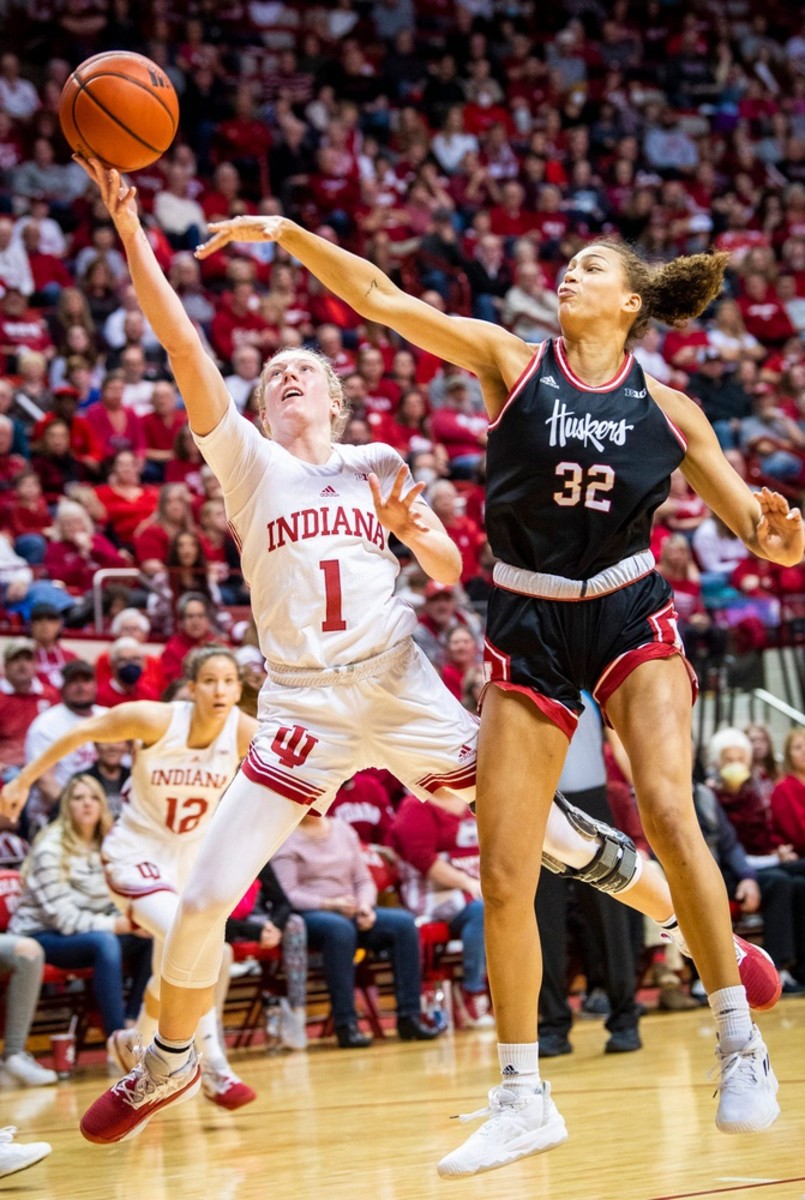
x: 616, y: 864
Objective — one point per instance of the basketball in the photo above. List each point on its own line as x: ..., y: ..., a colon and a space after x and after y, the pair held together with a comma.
x: 120, y: 108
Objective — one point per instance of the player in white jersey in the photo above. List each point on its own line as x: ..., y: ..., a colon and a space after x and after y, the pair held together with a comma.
x: 347, y: 688
x: 186, y: 754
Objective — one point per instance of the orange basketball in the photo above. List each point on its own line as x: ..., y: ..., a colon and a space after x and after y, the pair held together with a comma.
x: 121, y: 108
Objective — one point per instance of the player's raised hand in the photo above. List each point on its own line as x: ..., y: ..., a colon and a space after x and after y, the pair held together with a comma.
x: 241, y: 229
x: 397, y: 512
x: 13, y: 797
x: 119, y: 197
x: 780, y: 530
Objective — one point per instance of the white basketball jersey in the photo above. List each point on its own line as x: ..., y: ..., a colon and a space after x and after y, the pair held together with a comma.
x: 312, y: 549
x: 173, y: 790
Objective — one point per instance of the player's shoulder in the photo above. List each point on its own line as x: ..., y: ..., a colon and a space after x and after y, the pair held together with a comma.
x: 375, y: 456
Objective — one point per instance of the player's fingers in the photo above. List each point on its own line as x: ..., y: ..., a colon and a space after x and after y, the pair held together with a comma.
x: 414, y: 493
x: 396, y: 487
x: 377, y: 495
x: 211, y: 246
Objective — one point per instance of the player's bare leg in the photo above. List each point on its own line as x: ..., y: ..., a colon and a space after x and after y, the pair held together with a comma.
x: 512, y: 814
x: 651, y: 713
x: 251, y: 822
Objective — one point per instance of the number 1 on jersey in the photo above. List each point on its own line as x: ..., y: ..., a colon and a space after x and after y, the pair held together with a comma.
x: 333, y: 620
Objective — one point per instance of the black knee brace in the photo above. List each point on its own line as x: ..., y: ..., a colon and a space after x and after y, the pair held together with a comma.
x: 616, y: 864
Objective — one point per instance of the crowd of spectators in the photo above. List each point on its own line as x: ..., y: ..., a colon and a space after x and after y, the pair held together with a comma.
x: 469, y: 150
x: 467, y: 147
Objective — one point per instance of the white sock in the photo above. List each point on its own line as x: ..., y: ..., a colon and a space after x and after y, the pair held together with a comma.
x: 208, y: 1042
x: 675, y: 935
x: 733, y: 1021
x: 165, y: 1056
x: 519, y: 1066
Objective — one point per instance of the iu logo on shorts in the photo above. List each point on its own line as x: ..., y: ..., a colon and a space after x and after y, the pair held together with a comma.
x: 292, y: 746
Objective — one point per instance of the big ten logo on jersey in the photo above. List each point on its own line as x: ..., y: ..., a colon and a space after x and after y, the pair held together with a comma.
x: 292, y: 746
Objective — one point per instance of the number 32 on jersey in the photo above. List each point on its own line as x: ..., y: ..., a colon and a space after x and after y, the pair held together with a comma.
x: 587, y: 487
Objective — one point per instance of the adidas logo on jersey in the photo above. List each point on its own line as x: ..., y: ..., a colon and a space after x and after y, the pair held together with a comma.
x: 550, y: 381
x: 465, y: 752
x: 328, y: 491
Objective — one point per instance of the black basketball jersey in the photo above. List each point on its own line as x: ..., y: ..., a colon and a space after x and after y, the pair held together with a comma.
x: 575, y: 472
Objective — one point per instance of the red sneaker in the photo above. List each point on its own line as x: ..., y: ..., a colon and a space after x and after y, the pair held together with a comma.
x: 224, y: 1088
x: 758, y: 975
x: 472, y: 1010
x: 125, y: 1109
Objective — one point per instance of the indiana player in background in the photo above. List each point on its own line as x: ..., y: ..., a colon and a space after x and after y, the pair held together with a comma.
x: 346, y: 688
x: 581, y: 448
x: 186, y: 754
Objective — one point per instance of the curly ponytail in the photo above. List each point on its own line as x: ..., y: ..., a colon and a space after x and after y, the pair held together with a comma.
x: 672, y: 292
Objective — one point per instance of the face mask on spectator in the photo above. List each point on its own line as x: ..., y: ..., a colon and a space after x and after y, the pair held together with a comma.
x: 734, y: 774
x: 425, y: 475
x: 129, y: 673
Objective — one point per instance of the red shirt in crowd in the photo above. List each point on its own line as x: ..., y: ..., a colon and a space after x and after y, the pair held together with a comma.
x: 111, y: 693
x: 65, y: 562
x: 28, y: 330
x: 421, y: 833
x: 469, y: 538
x: 175, y: 651
x: 749, y: 816
x: 230, y: 329
x: 152, y: 673
x: 84, y: 442
x: 460, y: 433
x: 788, y: 812
x: 766, y: 319
x: 160, y: 434
x: 110, y: 439
x: 18, y: 711
x: 364, y: 803
x: 123, y: 515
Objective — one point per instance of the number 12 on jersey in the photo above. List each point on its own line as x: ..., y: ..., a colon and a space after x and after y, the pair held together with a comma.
x: 333, y: 617
x: 599, y: 478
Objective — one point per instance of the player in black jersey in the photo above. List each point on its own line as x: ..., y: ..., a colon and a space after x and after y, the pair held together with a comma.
x: 581, y: 447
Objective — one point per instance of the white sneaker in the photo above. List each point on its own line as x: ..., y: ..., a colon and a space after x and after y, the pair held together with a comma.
x: 293, y: 1026
x: 22, y: 1070
x: 14, y: 1157
x: 748, y: 1088
x: 124, y: 1049
x: 516, y: 1127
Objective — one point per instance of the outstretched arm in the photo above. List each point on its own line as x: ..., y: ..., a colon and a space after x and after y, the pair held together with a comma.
x: 142, y: 720
x: 764, y: 522
x: 199, y: 380
x: 494, y: 355
x: 418, y: 527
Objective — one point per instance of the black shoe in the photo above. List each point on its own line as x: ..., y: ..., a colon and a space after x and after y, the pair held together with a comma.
x: 414, y: 1029
x: 551, y: 1045
x: 623, y: 1041
x: 350, y: 1037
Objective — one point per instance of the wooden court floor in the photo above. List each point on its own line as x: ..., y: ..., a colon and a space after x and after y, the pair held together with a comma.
x: 371, y: 1125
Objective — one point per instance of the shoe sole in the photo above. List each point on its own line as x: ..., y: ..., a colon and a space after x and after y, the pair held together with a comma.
x: 745, y: 1126
x: 550, y: 1135
x: 187, y: 1093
